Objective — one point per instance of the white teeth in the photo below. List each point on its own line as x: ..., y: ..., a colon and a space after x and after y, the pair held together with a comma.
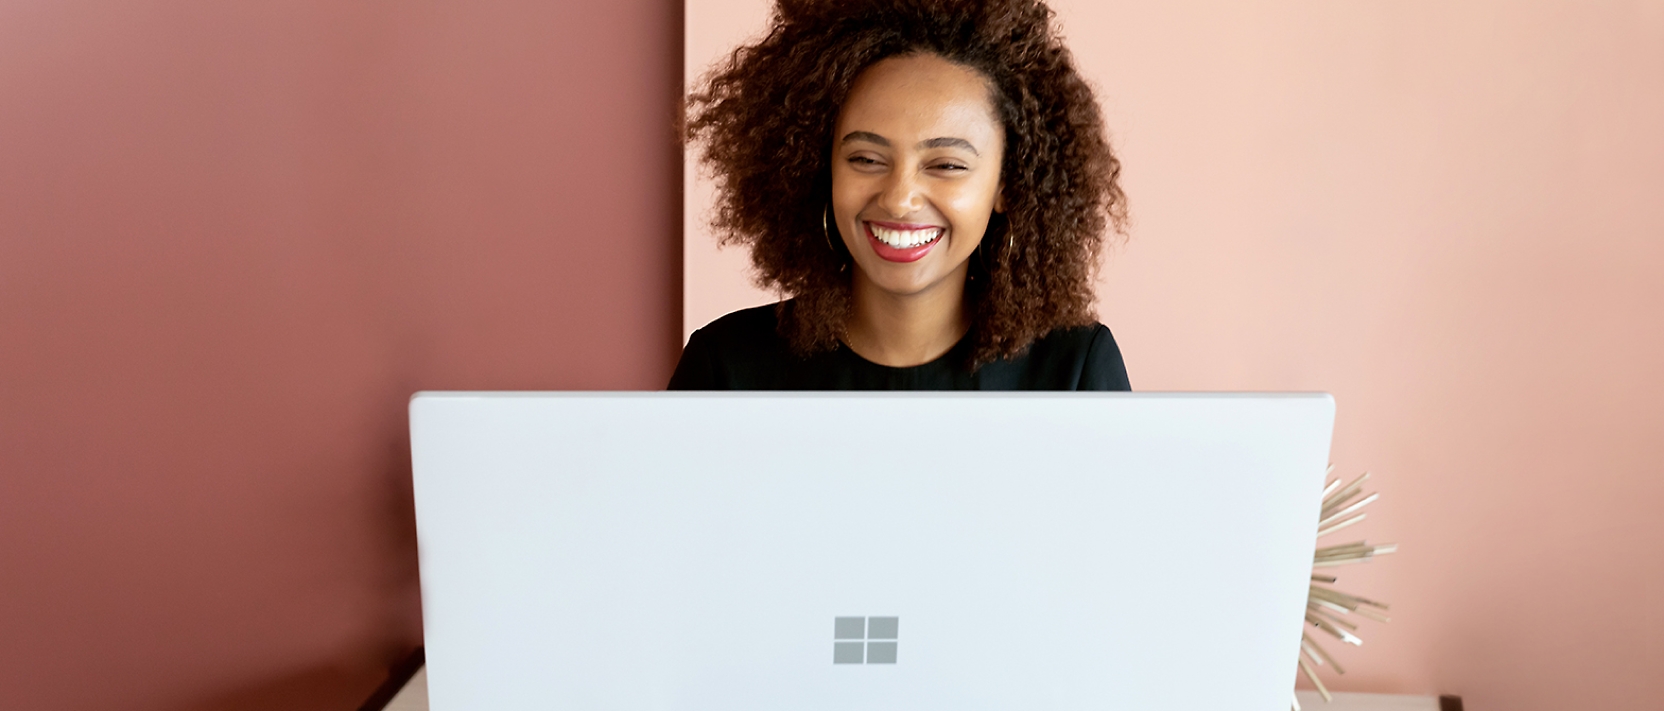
x: 903, y: 239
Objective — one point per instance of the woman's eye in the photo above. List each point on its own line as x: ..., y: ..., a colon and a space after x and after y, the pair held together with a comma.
x: 862, y: 160
x: 947, y: 166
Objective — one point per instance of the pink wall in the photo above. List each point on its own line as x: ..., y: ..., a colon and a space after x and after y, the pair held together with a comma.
x: 1447, y: 214
x: 234, y: 238
x: 715, y: 281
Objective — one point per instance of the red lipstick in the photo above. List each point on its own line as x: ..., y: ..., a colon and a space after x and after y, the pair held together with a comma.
x: 895, y: 254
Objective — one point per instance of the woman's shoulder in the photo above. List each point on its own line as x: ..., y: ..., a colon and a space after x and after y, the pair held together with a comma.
x: 1077, y: 358
x: 1073, y: 337
x: 732, y: 351
x: 757, y: 325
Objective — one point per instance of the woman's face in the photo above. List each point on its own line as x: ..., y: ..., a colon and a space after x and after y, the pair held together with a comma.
x: 915, y: 172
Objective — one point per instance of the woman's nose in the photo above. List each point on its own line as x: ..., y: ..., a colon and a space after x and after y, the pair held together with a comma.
x: 901, y: 195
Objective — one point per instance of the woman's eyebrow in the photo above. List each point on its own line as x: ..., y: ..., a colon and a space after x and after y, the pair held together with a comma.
x: 950, y: 143
x: 943, y: 142
x: 867, y: 136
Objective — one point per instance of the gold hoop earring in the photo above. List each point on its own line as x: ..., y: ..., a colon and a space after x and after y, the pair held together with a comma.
x: 826, y: 232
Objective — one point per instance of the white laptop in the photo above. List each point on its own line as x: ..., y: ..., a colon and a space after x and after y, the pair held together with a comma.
x: 845, y: 551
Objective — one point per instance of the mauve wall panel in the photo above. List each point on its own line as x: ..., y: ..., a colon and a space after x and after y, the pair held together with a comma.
x: 234, y: 238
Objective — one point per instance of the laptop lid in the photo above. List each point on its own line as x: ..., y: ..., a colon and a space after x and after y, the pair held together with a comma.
x: 913, y: 551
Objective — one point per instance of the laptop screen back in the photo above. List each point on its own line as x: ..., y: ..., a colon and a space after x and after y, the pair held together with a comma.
x: 803, y: 551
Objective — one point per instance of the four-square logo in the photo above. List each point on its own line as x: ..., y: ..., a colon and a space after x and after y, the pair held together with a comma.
x: 865, y: 640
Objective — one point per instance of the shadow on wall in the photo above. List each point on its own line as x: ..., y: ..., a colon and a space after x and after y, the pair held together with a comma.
x: 339, y: 685
x: 398, y: 582
x: 353, y: 676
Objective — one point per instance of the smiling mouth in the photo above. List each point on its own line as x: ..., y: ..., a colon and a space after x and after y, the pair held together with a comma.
x: 905, y: 239
x: 902, y: 245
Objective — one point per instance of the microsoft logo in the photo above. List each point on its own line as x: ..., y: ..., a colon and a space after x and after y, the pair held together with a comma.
x: 862, y: 633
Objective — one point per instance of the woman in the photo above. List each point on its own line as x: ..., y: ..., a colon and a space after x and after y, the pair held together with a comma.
x: 930, y: 183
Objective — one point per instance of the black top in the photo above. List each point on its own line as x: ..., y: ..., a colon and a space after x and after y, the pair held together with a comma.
x: 745, y: 351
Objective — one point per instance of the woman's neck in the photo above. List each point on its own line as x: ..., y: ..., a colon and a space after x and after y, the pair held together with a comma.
x: 903, y: 331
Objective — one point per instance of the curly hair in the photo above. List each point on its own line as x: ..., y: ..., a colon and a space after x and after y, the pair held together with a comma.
x: 764, y: 120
